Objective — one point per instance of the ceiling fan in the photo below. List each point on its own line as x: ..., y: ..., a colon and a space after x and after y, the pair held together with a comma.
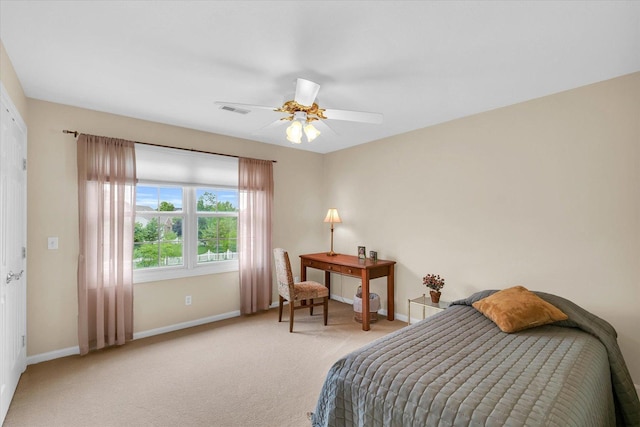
x: 302, y: 111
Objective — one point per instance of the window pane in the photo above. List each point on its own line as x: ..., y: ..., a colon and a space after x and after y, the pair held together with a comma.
x: 217, y: 239
x: 146, y: 198
x: 157, y: 241
x: 228, y: 201
x: 170, y: 198
x: 216, y: 200
x: 171, y: 242
x: 206, y: 200
x: 155, y: 198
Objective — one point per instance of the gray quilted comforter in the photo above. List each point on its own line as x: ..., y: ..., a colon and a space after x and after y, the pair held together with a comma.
x: 458, y: 369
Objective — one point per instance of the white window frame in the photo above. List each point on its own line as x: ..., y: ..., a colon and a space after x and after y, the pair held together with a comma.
x: 190, y: 267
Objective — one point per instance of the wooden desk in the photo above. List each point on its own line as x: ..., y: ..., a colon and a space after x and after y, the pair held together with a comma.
x: 350, y: 265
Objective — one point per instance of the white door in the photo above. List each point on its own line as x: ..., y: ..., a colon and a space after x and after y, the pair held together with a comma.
x: 13, y: 238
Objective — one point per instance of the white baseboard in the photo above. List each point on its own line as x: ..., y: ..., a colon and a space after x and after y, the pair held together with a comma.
x: 340, y: 298
x: 56, y: 354
x: 70, y: 351
x: 184, y: 325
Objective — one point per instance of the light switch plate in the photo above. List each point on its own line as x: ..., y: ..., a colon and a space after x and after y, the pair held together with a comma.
x: 52, y: 243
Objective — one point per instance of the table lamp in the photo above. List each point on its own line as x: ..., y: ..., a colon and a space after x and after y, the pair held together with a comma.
x: 332, y: 217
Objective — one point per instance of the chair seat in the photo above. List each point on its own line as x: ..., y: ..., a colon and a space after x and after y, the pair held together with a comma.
x: 309, y: 289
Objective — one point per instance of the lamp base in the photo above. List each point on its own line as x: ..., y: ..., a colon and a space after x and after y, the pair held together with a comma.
x: 331, y: 253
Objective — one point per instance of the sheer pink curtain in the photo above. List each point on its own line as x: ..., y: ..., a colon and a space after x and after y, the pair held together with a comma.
x: 106, y: 203
x: 254, y: 234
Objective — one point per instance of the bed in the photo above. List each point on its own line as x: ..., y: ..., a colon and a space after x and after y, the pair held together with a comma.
x: 457, y: 368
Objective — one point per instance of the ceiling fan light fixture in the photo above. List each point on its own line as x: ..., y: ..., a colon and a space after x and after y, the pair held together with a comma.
x: 311, y: 132
x: 302, y: 110
x: 294, y: 132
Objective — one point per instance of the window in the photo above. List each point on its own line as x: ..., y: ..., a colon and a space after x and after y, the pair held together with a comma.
x: 184, y: 228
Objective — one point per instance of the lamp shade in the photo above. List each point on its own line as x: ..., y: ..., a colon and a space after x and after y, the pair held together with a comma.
x: 294, y: 132
x: 311, y: 132
x: 332, y: 216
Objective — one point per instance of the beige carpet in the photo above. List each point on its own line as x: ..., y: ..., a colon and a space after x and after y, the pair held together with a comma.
x: 246, y: 371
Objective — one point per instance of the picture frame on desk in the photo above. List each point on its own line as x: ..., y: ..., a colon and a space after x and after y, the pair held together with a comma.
x: 373, y: 255
x: 362, y: 252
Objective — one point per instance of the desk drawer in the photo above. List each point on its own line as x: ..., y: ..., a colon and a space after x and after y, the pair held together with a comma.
x: 351, y: 271
x: 322, y: 265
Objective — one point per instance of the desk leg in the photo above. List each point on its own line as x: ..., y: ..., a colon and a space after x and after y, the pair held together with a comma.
x: 303, y: 277
x: 327, y: 281
x: 365, y: 300
x: 390, y: 300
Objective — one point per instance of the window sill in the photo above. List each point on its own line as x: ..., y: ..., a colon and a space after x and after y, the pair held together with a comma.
x: 167, y: 273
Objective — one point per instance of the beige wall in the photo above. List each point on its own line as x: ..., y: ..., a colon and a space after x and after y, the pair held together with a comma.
x: 52, y: 204
x: 543, y: 193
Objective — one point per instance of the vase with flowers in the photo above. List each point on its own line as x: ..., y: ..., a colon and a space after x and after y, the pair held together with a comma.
x: 435, y: 283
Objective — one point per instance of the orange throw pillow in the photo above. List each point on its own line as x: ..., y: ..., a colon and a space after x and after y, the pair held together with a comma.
x: 515, y: 309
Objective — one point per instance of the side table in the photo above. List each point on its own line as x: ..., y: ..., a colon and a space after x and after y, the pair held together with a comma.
x: 425, y: 301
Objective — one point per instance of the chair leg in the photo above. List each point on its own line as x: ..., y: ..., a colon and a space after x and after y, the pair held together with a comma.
x: 311, y: 307
x: 291, y: 309
x: 280, y: 308
x: 326, y: 310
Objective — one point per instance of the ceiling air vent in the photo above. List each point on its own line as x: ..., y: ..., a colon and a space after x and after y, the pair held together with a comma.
x: 235, y: 109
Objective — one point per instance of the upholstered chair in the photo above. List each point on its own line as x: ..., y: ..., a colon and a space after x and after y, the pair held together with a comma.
x: 302, y: 293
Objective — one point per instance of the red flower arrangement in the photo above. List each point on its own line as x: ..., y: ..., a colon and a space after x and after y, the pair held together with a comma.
x: 434, y: 282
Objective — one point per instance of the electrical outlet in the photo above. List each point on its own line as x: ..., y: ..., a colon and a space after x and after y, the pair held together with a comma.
x: 296, y: 279
x: 187, y: 300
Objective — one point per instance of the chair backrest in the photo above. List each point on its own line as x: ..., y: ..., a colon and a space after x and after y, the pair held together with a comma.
x: 283, y: 273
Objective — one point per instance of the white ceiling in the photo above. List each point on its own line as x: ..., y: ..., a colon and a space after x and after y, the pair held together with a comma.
x: 417, y: 63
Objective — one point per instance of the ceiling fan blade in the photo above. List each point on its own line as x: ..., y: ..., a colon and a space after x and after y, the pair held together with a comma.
x: 306, y: 92
x: 244, y: 106
x: 271, y: 125
x: 353, y: 116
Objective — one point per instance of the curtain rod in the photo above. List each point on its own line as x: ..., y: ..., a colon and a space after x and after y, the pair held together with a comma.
x: 75, y: 134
